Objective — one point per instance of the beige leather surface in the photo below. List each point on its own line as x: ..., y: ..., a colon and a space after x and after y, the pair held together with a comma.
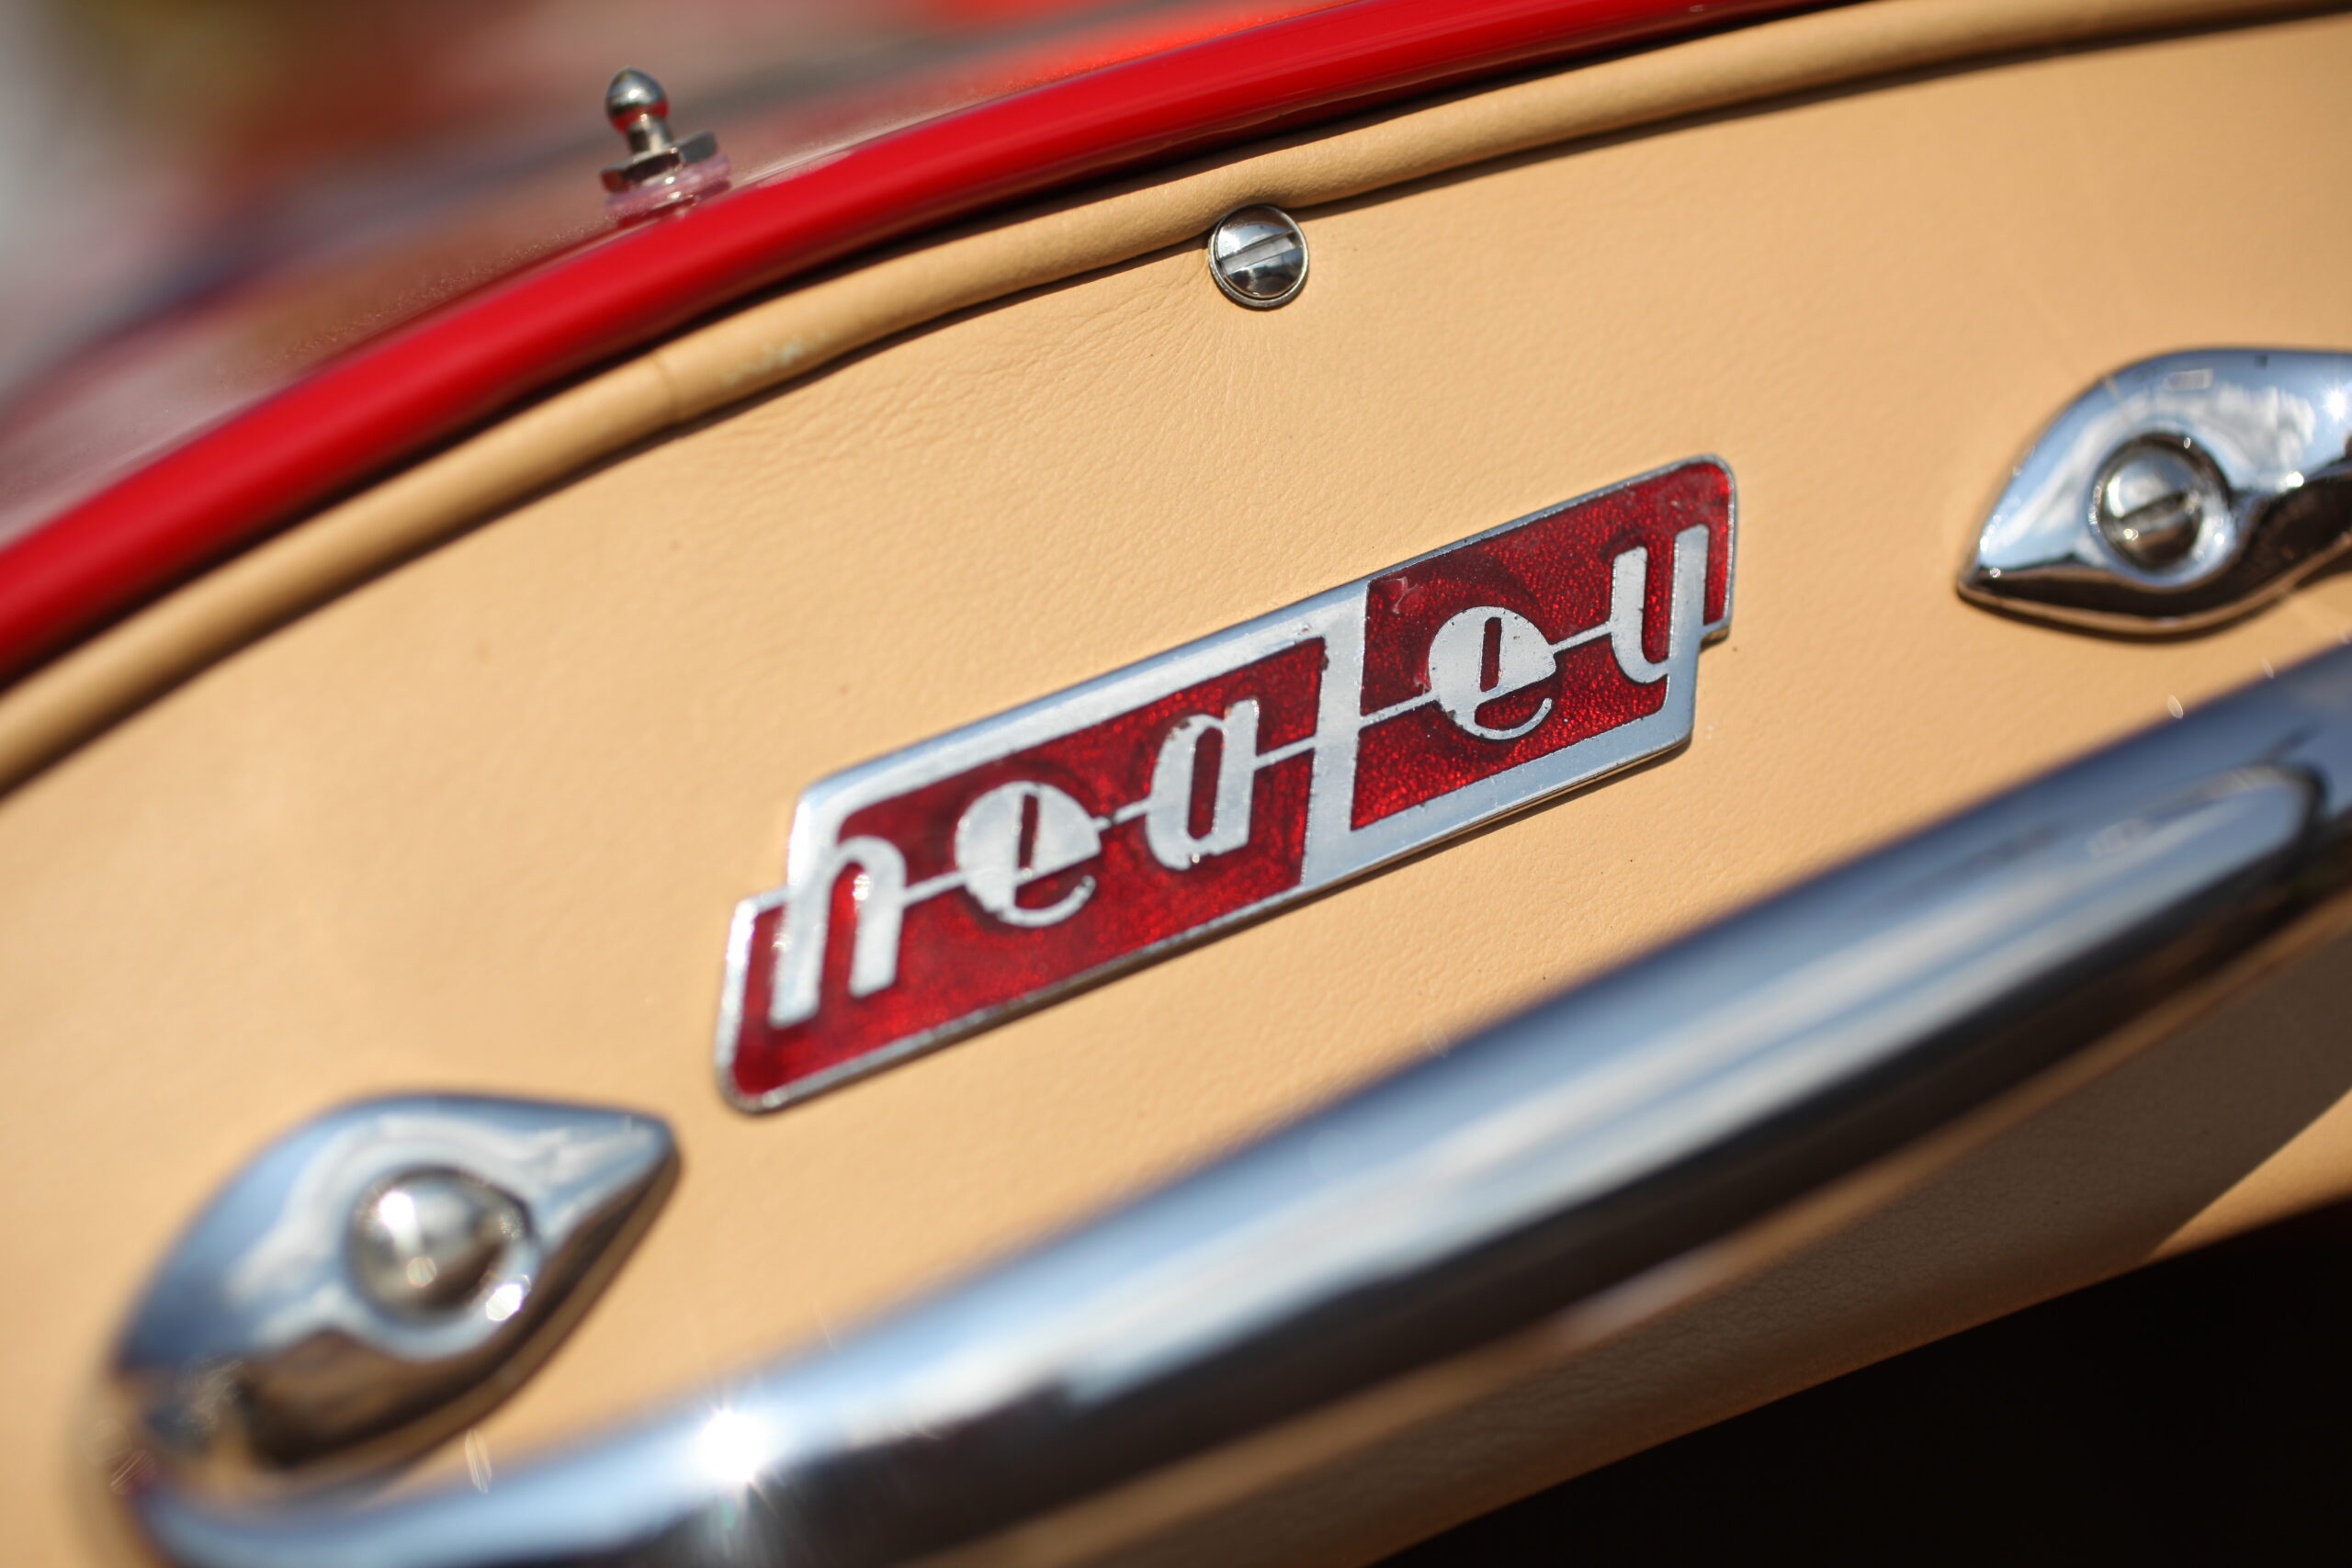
x: 480, y: 823
x: 807, y: 327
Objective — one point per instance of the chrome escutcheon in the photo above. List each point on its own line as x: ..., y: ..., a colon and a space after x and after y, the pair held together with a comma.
x: 374, y: 1279
x: 2177, y: 493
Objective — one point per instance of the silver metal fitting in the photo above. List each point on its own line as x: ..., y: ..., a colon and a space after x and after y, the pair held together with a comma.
x: 1258, y: 256
x: 2154, y: 499
x: 375, y: 1280
x: 660, y: 170
x: 2176, y: 495
x: 425, y: 1242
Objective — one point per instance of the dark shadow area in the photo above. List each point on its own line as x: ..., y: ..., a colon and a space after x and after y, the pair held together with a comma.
x: 2188, y: 1413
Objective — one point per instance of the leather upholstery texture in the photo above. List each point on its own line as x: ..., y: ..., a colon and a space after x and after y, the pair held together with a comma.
x: 770, y: 342
x: 479, y: 824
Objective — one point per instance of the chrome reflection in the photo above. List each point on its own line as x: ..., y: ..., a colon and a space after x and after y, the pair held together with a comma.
x: 1059, y: 1405
x: 2178, y: 492
x: 375, y: 1278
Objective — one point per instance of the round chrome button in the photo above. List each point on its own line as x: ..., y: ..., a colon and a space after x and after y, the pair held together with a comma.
x: 426, y: 1241
x: 2154, y: 497
x: 1258, y: 256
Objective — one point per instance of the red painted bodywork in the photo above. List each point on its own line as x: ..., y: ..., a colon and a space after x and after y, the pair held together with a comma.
x: 386, y: 400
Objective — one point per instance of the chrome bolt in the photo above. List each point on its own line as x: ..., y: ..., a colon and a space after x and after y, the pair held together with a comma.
x: 1258, y: 257
x: 425, y: 1242
x: 2153, y: 499
x: 660, y: 170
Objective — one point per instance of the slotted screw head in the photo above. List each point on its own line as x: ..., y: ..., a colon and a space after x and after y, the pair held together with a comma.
x: 2154, y: 497
x: 1258, y: 256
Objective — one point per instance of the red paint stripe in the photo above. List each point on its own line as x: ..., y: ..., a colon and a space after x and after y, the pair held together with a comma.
x: 358, y: 415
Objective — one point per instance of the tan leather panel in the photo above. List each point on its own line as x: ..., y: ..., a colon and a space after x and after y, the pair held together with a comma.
x: 767, y: 343
x: 480, y: 824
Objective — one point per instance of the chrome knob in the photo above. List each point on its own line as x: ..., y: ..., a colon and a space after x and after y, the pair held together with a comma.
x: 633, y: 98
x: 660, y: 170
x: 425, y: 1242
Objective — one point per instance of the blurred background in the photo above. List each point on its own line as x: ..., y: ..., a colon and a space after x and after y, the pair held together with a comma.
x: 205, y: 198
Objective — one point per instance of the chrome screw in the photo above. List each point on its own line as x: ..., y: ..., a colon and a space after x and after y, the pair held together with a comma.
x: 2153, y: 499
x: 426, y: 1241
x: 1258, y: 257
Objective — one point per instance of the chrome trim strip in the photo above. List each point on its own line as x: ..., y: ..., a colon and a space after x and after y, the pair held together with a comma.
x: 1675, y: 1102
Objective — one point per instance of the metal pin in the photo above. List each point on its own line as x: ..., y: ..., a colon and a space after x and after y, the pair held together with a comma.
x: 659, y: 171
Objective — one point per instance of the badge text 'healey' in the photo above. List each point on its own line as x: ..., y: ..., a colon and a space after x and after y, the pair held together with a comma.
x: 941, y: 889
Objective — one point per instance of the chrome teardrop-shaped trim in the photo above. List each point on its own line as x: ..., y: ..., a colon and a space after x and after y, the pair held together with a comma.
x: 272, y: 1344
x: 2260, y: 434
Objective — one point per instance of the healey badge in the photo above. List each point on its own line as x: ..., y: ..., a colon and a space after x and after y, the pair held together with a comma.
x: 949, y: 886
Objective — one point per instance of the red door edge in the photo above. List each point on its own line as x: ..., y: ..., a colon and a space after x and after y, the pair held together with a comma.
x: 231, y: 485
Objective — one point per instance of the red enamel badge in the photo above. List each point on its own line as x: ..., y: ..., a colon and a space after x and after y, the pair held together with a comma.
x: 946, y: 887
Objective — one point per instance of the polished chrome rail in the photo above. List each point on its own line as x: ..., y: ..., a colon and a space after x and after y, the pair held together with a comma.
x: 1675, y: 1102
